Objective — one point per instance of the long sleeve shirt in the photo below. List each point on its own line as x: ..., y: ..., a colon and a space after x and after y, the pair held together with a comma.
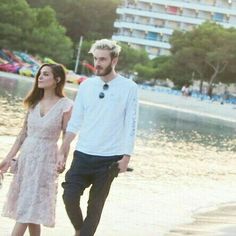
x: 106, y: 126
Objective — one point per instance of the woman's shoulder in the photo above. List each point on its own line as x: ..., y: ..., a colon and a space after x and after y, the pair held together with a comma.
x: 67, y: 100
x: 67, y: 104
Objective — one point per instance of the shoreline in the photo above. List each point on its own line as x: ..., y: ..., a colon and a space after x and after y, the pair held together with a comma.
x: 214, y: 110
x: 190, y: 105
x: 189, y: 111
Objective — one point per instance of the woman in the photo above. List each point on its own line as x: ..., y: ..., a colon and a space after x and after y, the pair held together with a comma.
x: 32, y: 194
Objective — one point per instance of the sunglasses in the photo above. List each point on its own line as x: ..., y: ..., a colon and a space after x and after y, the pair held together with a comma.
x: 102, y: 94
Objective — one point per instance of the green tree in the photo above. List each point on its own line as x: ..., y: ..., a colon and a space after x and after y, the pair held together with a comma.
x: 162, y: 67
x: 27, y: 29
x: 91, y: 18
x: 145, y: 72
x: 48, y: 37
x: 16, y: 21
x: 207, y: 50
x: 129, y: 57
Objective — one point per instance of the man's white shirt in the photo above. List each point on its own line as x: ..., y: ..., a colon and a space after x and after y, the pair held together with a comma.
x: 106, y: 126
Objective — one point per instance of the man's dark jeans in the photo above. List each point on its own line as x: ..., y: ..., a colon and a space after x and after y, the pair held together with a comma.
x: 88, y: 170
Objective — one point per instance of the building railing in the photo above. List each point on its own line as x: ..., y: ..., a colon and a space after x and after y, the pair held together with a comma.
x: 147, y: 41
x: 195, y: 6
x: 167, y: 16
x: 140, y: 26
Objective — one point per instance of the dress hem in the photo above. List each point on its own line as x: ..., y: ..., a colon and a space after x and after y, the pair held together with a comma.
x: 29, y: 221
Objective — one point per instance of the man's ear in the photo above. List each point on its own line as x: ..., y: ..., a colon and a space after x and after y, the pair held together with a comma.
x: 114, y: 61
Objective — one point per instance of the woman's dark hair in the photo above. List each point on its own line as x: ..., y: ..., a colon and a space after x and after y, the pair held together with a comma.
x: 36, y: 94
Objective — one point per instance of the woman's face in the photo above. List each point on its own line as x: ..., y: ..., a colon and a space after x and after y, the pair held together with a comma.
x: 46, y: 78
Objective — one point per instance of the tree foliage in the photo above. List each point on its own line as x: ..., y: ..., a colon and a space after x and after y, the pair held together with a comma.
x: 27, y: 29
x: 129, y: 57
x: 16, y: 20
x: 89, y: 18
x: 209, y: 50
x: 48, y: 37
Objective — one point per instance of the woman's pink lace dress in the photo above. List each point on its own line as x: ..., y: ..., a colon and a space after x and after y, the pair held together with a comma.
x: 32, y: 194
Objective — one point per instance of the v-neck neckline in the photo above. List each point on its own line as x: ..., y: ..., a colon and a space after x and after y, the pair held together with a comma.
x: 51, y: 108
x: 110, y: 81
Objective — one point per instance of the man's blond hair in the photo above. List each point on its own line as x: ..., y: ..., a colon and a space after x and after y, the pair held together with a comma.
x: 106, y: 44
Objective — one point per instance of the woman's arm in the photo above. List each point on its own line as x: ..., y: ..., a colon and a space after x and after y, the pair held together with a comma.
x: 65, y: 120
x: 5, y: 164
x: 65, y: 147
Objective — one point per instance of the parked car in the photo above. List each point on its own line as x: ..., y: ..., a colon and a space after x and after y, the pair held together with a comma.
x: 71, y: 77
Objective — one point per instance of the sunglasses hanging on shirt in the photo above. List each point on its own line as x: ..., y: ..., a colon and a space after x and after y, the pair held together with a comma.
x: 102, y: 94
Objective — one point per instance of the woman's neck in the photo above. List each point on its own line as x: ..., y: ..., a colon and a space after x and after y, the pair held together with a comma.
x: 49, y: 95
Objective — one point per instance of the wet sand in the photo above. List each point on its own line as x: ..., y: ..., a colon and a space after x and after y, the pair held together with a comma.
x: 220, y: 221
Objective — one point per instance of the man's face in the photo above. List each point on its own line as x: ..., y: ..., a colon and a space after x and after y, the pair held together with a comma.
x: 103, y: 62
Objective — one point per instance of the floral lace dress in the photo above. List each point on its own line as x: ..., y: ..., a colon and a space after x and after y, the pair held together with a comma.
x: 32, y: 194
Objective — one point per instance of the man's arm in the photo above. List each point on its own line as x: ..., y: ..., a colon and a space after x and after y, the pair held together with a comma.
x: 123, y: 163
x: 131, y: 118
x: 72, y: 129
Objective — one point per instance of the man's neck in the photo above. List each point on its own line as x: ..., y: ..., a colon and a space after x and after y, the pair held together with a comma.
x: 109, y: 77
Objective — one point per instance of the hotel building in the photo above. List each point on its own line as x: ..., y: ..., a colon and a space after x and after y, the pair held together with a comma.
x: 149, y: 24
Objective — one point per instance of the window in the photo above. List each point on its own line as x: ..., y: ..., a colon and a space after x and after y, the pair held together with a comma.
x: 218, y: 17
x: 153, y: 36
x: 209, y: 2
x: 172, y: 10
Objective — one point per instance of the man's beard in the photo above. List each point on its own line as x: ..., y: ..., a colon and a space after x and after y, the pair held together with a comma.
x: 106, y: 71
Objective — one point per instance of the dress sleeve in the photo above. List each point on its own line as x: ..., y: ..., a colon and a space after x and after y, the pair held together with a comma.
x: 67, y: 109
x: 67, y: 105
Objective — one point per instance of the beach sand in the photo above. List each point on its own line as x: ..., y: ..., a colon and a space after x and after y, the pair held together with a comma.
x: 129, y: 211
x: 169, y: 193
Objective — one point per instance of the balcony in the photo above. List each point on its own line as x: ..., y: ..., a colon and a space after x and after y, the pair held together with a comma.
x: 159, y: 15
x: 169, y: 17
x: 140, y: 41
x: 195, y: 6
x: 142, y: 27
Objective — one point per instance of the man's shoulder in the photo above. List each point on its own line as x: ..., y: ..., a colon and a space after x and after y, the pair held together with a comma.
x: 88, y: 82
x: 127, y: 82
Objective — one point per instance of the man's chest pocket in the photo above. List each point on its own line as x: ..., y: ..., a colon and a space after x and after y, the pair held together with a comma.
x: 116, y: 103
x: 113, y: 98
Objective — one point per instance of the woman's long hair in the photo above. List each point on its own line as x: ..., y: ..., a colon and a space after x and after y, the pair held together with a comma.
x: 36, y: 94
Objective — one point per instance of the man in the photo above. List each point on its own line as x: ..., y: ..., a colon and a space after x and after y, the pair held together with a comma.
x: 105, y: 115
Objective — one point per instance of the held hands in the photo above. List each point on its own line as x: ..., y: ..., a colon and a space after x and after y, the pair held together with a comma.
x: 123, y: 163
x: 61, y: 163
x: 1, y: 179
x: 5, y: 165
